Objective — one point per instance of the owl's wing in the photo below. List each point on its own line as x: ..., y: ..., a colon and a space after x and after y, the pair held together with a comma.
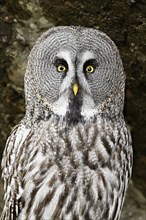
x: 12, y: 167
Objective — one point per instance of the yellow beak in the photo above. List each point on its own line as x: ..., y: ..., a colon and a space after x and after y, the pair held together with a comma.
x: 75, y: 88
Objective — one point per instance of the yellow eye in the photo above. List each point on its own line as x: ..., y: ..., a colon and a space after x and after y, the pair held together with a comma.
x: 89, y: 69
x: 61, y: 69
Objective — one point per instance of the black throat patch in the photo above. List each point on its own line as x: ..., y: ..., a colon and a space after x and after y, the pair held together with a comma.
x: 74, y: 113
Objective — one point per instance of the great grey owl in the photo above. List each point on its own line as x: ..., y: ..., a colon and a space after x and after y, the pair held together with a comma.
x: 70, y: 157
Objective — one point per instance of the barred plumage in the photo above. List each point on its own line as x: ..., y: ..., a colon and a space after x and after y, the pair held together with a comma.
x: 71, y: 156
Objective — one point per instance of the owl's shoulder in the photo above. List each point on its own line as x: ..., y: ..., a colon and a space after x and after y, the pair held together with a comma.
x: 14, y: 144
x: 11, y: 170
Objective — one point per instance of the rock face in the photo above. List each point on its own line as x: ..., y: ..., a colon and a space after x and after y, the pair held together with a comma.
x: 23, y: 21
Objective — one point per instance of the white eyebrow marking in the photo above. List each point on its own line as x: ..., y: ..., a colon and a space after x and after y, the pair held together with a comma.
x: 87, y: 56
x: 70, y: 75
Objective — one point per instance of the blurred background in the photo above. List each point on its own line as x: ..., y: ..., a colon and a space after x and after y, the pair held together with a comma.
x: 23, y: 21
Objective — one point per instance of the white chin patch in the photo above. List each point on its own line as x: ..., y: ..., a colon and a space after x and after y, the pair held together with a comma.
x: 60, y: 107
x: 88, y: 113
x: 88, y: 107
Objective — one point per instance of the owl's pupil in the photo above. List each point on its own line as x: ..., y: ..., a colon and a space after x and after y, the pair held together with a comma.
x: 89, y: 69
x: 61, y: 68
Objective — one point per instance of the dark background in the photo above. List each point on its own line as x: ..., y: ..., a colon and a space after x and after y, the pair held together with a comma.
x: 23, y: 21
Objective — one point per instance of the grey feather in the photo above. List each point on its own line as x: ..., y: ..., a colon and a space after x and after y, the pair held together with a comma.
x: 71, y: 155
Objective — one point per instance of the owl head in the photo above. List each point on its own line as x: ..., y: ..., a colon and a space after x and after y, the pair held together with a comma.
x: 75, y: 72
